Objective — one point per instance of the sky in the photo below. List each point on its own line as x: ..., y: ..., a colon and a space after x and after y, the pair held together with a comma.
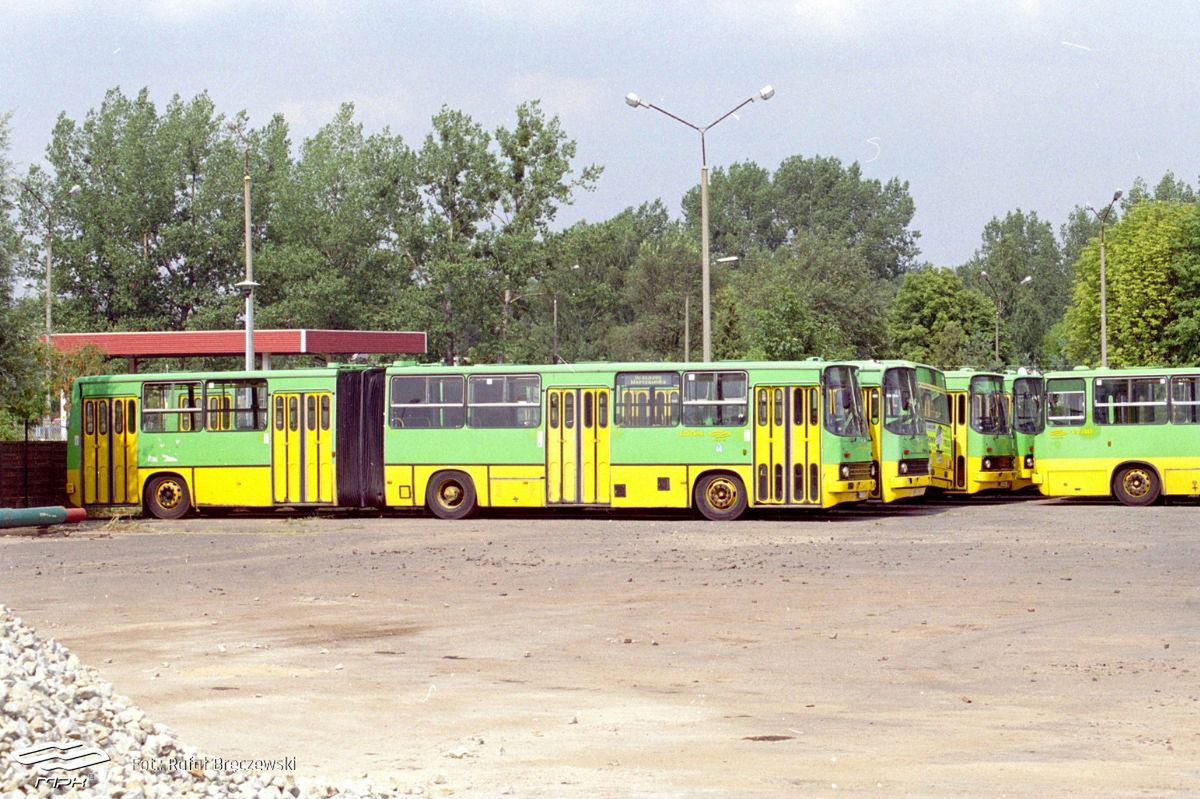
x: 982, y: 107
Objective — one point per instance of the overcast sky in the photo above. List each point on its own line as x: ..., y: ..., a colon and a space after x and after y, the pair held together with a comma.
x: 982, y: 107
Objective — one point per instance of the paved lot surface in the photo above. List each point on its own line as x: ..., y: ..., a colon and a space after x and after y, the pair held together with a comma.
x: 1020, y: 648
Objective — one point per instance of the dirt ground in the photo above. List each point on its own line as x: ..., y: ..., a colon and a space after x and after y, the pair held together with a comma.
x: 1026, y: 648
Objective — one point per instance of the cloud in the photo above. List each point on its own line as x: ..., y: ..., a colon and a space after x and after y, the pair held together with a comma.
x: 564, y: 95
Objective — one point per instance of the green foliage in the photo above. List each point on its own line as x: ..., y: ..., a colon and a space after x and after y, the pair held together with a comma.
x: 820, y: 197
x: 154, y: 232
x: 811, y: 297
x: 936, y: 320
x: 1020, y: 246
x: 1150, y: 266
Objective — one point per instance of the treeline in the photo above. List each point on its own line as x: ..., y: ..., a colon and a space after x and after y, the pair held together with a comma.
x: 456, y: 235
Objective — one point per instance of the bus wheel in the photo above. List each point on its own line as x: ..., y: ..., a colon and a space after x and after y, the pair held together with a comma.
x: 1136, y: 486
x: 167, y: 497
x: 450, y: 495
x: 720, y: 497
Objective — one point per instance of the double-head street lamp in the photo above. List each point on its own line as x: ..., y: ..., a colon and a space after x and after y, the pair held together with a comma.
x: 1102, y: 217
x: 633, y: 101
x: 1025, y: 281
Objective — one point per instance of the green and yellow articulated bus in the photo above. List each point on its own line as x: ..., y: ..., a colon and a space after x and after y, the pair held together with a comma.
x: 654, y: 435
x: 1129, y: 433
x: 719, y: 438
x: 982, y: 438
x: 935, y: 410
x: 1026, y: 391
x: 899, y: 441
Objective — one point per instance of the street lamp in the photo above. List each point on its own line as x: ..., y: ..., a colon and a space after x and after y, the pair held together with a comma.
x: 1102, y: 217
x: 1025, y: 281
x: 49, y: 208
x: 49, y: 246
x: 633, y: 101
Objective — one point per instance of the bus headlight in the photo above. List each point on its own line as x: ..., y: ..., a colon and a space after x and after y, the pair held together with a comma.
x: 987, y: 464
x: 1028, y: 461
x: 874, y: 470
x: 903, y: 467
x: 845, y: 471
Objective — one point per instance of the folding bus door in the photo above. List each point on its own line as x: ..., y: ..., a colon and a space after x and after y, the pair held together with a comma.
x: 787, y: 445
x: 577, y: 446
x: 302, y: 448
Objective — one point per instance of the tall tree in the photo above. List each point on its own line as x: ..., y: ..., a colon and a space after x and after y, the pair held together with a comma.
x: 154, y: 234
x: 1018, y: 247
x: 336, y: 254
x: 935, y: 319
x: 22, y: 394
x: 1150, y: 290
x: 815, y: 196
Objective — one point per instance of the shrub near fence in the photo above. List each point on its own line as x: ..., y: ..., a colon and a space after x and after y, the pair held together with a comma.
x: 33, y: 473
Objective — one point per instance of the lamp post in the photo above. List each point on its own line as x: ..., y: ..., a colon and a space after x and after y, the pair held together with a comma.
x: 633, y: 101
x: 687, y: 313
x: 49, y: 208
x: 1102, y: 217
x: 1000, y: 305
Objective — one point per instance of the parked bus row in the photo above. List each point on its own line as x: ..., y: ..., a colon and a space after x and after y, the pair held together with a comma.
x: 720, y: 438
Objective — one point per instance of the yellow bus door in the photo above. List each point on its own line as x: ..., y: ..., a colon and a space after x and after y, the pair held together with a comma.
x: 123, y: 445
x: 770, y: 444
x: 108, y: 469
x: 958, y: 435
x: 87, y: 466
x: 103, y: 453
x: 577, y: 446
x: 872, y: 402
x: 302, y: 448
x: 806, y: 445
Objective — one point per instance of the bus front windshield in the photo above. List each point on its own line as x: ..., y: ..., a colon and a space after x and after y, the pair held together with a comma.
x: 843, y: 411
x: 899, y: 402
x: 988, y: 406
x: 1027, y: 405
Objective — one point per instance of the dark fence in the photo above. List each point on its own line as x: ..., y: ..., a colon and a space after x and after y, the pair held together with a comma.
x: 33, y: 473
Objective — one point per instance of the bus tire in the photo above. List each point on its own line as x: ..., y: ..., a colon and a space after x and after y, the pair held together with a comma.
x: 167, y: 497
x: 720, y: 497
x: 1137, y: 485
x: 450, y: 495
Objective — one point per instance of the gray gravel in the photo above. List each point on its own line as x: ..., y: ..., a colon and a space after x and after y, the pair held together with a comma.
x: 48, y: 696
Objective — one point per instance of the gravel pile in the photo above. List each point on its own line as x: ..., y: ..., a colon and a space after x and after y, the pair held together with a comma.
x: 48, y: 697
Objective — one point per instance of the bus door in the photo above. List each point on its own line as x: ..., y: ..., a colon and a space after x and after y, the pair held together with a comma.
x: 577, y: 446
x: 787, y: 445
x: 108, y: 470
x: 872, y: 402
x: 302, y: 448
x: 959, y: 427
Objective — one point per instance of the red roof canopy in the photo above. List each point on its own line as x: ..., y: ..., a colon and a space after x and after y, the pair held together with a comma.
x: 179, y: 343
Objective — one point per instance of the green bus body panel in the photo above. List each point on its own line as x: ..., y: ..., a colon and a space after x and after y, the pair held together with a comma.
x: 675, y: 444
x: 1094, y: 451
